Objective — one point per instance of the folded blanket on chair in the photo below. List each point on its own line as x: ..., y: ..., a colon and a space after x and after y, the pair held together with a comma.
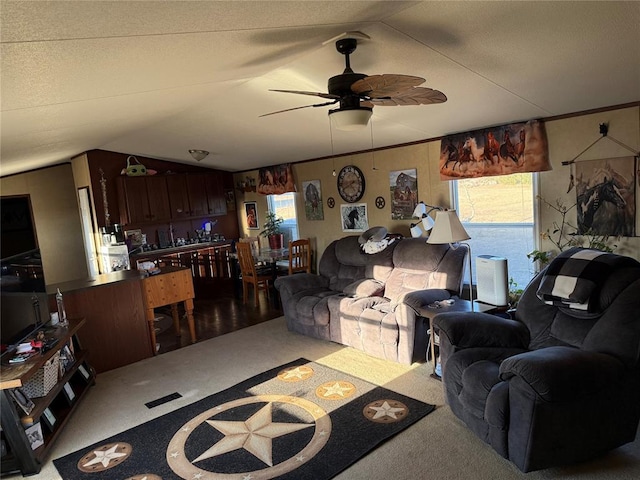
x: 574, y: 276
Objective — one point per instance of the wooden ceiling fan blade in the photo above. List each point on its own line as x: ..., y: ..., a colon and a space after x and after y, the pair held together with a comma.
x: 298, y: 108
x: 414, y: 96
x: 313, y: 94
x: 387, y: 85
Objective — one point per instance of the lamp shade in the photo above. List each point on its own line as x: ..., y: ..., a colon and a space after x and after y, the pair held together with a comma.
x: 427, y: 222
x: 416, y: 231
x: 447, y: 228
x: 350, y: 119
x: 421, y: 209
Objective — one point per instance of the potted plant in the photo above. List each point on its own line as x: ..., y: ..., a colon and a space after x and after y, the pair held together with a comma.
x: 272, y: 230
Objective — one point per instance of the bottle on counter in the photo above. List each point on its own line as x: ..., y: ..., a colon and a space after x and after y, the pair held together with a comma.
x: 62, y: 314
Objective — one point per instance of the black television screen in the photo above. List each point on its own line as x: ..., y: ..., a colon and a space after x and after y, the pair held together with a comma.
x: 17, y: 231
x: 24, y: 301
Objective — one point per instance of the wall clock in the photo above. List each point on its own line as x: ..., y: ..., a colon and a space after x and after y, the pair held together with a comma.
x: 351, y: 183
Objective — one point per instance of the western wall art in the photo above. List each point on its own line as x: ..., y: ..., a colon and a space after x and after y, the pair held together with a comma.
x: 514, y: 148
x: 313, y: 200
x: 403, y: 185
x: 606, y: 196
x: 354, y: 217
x: 276, y: 180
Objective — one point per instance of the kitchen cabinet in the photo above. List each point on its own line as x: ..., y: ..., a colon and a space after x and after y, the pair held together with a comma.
x: 160, y: 198
x: 143, y: 199
x: 216, y: 202
x: 50, y: 411
x: 198, y: 201
x: 178, y: 197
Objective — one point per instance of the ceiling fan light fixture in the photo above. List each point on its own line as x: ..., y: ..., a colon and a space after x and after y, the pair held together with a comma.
x: 198, y: 155
x: 351, y: 118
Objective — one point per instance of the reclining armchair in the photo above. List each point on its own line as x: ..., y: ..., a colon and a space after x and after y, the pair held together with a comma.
x: 560, y: 383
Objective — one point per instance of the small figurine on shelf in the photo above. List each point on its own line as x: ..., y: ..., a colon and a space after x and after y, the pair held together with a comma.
x: 62, y: 314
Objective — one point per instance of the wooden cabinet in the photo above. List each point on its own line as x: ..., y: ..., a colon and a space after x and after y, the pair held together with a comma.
x: 216, y: 202
x: 160, y: 198
x: 143, y: 199
x: 178, y: 197
x: 49, y: 413
x: 198, y: 195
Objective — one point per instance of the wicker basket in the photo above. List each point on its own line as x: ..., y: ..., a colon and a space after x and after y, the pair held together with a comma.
x: 45, y: 378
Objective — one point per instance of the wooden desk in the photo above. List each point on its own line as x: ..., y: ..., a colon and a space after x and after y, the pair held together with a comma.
x: 171, y: 286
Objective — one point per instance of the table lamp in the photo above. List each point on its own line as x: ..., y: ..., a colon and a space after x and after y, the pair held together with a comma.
x: 448, y: 229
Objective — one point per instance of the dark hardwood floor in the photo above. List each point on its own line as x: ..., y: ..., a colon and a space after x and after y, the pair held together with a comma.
x: 218, y: 309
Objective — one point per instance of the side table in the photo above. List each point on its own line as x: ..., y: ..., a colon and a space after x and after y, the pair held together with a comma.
x: 459, y: 305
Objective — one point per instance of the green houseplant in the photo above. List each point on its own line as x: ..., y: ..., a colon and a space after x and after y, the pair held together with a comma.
x: 273, y: 231
x: 565, y: 235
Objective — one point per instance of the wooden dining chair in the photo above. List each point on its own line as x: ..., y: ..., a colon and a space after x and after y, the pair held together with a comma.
x: 299, y: 256
x: 251, y: 275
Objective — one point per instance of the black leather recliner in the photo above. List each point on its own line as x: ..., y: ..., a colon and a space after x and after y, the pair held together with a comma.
x: 553, y: 386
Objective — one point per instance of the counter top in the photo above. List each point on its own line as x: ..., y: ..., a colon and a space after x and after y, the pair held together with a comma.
x: 183, y: 248
x: 97, y: 281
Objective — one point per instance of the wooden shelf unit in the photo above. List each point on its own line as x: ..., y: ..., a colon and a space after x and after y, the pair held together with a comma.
x: 20, y: 457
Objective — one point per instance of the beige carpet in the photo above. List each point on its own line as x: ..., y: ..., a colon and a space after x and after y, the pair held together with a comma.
x: 436, y: 447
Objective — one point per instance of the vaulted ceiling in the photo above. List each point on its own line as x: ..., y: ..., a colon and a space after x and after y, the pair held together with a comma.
x: 159, y: 78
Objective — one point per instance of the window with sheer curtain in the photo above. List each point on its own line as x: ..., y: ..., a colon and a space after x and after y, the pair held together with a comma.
x: 284, y: 206
x: 498, y: 214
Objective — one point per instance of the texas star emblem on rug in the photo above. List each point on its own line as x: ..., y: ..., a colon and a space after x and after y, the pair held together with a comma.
x: 298, y: 421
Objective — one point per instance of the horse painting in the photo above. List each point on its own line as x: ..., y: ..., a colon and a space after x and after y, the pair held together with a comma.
x: 592, y: 199
x: 491, y: 147
x: 313, y: 197
x: 507, y: 149
x: 354, y: 217
x: 350, y: 221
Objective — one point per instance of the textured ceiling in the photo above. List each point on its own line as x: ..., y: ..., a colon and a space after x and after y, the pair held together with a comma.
x: 158, y: 78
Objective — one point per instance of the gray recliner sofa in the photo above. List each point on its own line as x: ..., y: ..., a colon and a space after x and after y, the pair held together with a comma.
x: 560, y: 383
x: 371, y: 301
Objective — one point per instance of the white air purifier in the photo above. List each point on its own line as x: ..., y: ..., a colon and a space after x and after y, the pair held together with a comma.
x: 493, y: 280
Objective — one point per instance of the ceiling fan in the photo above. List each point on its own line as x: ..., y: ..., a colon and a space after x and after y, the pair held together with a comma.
x: 358, y: 93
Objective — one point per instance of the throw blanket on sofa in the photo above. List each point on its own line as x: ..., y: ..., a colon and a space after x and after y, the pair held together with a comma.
x: 574, y: 276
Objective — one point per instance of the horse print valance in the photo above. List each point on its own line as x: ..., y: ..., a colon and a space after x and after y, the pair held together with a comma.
x: 606, y: 196
x: 276, y: 180
x: 514, y: 148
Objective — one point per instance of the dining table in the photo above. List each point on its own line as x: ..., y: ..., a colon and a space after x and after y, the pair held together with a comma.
x: 263, y: 257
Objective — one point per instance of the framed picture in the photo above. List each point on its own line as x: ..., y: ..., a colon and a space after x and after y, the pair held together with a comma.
x: 34, y: 435
x: 49, y: 418
x: 69, y: 393
x: 403, y: 186
x: 84, y: 372
x: 230, y: 198
x: 354, y: 217
x: 606, y: 197
x: 66, y: 358
x: 313, y: 200
x: 22, y: 399
x: 251, y: 215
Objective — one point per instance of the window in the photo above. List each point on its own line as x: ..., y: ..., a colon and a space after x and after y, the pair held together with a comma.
x: 284, y: 206
x: 498, y: 214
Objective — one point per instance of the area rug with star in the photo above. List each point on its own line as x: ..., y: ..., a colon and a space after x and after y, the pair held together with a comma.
x: 298, y: 421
